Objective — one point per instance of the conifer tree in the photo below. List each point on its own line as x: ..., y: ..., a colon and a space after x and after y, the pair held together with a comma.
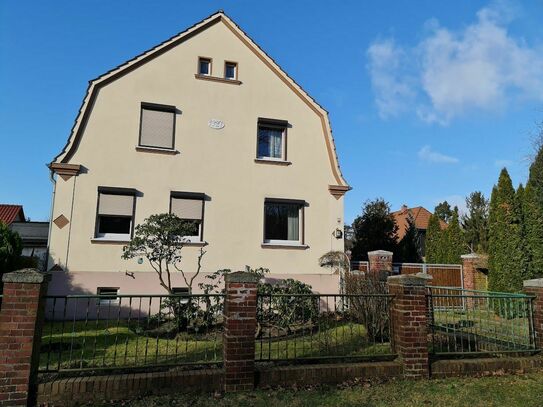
x: 532, y: 208
x: 506, y: 256
x: 409, y: 246
x: 375, y: 229
x: 434, y: 241
x: 453, y: 241
x: 475, y: 222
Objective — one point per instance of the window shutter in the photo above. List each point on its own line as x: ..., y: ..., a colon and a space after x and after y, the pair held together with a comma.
x: 157, y: 128
x: 187, y: 208
x: 118, y: 205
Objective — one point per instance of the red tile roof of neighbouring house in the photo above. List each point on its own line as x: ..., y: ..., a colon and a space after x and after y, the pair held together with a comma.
x: 420, y: 215
x: 11, y: 213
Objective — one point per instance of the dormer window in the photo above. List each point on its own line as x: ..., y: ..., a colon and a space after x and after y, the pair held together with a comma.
x: 230, y: 70
x: 204, y: 66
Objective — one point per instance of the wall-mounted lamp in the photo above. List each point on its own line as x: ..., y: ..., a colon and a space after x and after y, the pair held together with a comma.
x: 338, y: 233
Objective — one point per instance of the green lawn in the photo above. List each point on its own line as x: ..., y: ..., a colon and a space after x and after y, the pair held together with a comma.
x: 493, y: 332
x: 101, y: 344
x: 510, y: 391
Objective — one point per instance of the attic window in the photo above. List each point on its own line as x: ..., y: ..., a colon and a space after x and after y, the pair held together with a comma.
x: 230, y: 70
x: 204, y: 66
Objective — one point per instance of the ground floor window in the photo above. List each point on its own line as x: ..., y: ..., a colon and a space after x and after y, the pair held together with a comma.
x: 283, y: 221
x: 189, y: 206
x: 115, y: 214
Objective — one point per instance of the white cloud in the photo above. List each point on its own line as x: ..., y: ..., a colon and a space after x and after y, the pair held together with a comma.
x: 427, y: 154
x: 392, y: 91
x: 449, y: 73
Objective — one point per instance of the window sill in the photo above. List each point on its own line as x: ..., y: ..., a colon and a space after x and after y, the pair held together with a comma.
x: 158, y: 150
x: 195, y: 244
x: 273, y: 162
x: 284, y: 246
x: 106, y: 240
x: 217, y: 79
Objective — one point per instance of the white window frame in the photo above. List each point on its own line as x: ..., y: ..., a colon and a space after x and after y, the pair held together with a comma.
x: 210, y: 65
x: 194, y: 239
x: 235, y: 65
x: 283, y: 149
x: 301, y: 224
x: 191, y: 195
x: 114, y: 236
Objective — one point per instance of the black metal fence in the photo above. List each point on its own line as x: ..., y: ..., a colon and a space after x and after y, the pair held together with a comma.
x: 480, y: 322
x: 90, y: 332
x: 323, y: 326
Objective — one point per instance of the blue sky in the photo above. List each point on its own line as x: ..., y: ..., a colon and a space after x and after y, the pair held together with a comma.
x: 427, y: 99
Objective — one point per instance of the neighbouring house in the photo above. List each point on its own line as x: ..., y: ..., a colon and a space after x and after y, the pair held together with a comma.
x: 205, y: 125
x: 33, y: 234
x: 421, y: 217
x: 11, y: 213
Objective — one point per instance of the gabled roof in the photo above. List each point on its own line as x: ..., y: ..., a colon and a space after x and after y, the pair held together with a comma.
x: 218, y: 17
x: 420, y: 215
x: 11, y: 213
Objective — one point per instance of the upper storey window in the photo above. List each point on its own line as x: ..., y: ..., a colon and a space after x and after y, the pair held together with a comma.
x: 157, y: 127
x: 272, y: 139
x: 204, y: 66
x: 231, y: 70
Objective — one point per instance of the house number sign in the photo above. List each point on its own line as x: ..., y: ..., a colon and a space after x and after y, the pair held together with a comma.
x: 216, y: 124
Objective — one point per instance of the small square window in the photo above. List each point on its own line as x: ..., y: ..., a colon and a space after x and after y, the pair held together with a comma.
x: 108, y: 295
x: 283, y: 222
x: 231, y: 70
x: 204, y: 66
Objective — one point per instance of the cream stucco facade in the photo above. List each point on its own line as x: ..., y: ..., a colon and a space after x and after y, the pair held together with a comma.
x: 219, y: 163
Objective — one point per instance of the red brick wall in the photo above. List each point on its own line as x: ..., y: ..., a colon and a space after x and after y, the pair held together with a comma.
x: 239, y: 331
x: 409, y: 317
x: 21, y: 322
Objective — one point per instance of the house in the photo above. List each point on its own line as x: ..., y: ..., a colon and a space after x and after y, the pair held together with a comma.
x: 421, y: 217
x: 205, y: 125
x: 33, y: 234
x: 11, y: 213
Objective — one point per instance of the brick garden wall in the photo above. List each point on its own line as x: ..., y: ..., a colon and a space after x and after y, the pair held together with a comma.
x: 21, y: 319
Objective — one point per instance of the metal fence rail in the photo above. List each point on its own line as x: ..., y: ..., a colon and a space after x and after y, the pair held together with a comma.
x: 323, y: 326
x: 90, y: 332
x: 478, y: 322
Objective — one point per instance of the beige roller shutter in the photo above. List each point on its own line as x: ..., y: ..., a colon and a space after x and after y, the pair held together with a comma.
x: 187, y: 208
x: 119, y: 205
x: 157, y: 128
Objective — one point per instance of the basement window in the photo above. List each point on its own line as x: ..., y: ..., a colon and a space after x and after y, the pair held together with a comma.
x: 108, y: 295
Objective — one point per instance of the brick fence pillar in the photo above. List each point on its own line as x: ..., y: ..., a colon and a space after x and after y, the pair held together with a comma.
x: 469, y: 270
x: 535, y: 287
x: 380, y: 260
x: 21, y: 324
x: 409, y: 318
x: 239, y: 331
